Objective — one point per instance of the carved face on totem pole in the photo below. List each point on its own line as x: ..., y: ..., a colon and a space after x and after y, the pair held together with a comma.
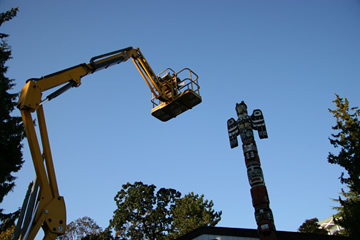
x: 241, y: 108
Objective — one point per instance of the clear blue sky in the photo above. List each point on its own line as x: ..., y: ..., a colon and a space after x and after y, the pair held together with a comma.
x: 288, y: 58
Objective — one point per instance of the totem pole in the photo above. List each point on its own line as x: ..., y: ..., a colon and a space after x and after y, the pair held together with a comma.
x: 244, y: 127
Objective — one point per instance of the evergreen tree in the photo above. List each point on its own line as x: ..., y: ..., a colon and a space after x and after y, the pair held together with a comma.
x: 348, y: 216
x: 347, y: 139
x: 11, y: 128
x: 312, y: 226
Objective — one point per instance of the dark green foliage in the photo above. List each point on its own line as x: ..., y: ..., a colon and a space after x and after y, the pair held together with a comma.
x: 312, y: 226
x: 11, y: 128
x: 7, y: 16
x: 105, y: 235
x: 347, y: 139
x: 191, y: 212
x: 143, y: 214
x: 348, y: 216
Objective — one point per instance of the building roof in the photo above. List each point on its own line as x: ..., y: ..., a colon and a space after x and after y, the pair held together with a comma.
x: 242, y: 233
x: 330, y: 225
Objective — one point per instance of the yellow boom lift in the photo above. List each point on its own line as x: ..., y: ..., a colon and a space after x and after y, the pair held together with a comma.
x: 172, y: 94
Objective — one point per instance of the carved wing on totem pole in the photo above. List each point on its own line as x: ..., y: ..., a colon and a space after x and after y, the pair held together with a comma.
x: 233, y: 131
x: 258, y: 123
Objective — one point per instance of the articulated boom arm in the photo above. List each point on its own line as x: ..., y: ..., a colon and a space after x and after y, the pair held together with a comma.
x: 106, y: 60
x: 46, y: 208
x: 31, y: 94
